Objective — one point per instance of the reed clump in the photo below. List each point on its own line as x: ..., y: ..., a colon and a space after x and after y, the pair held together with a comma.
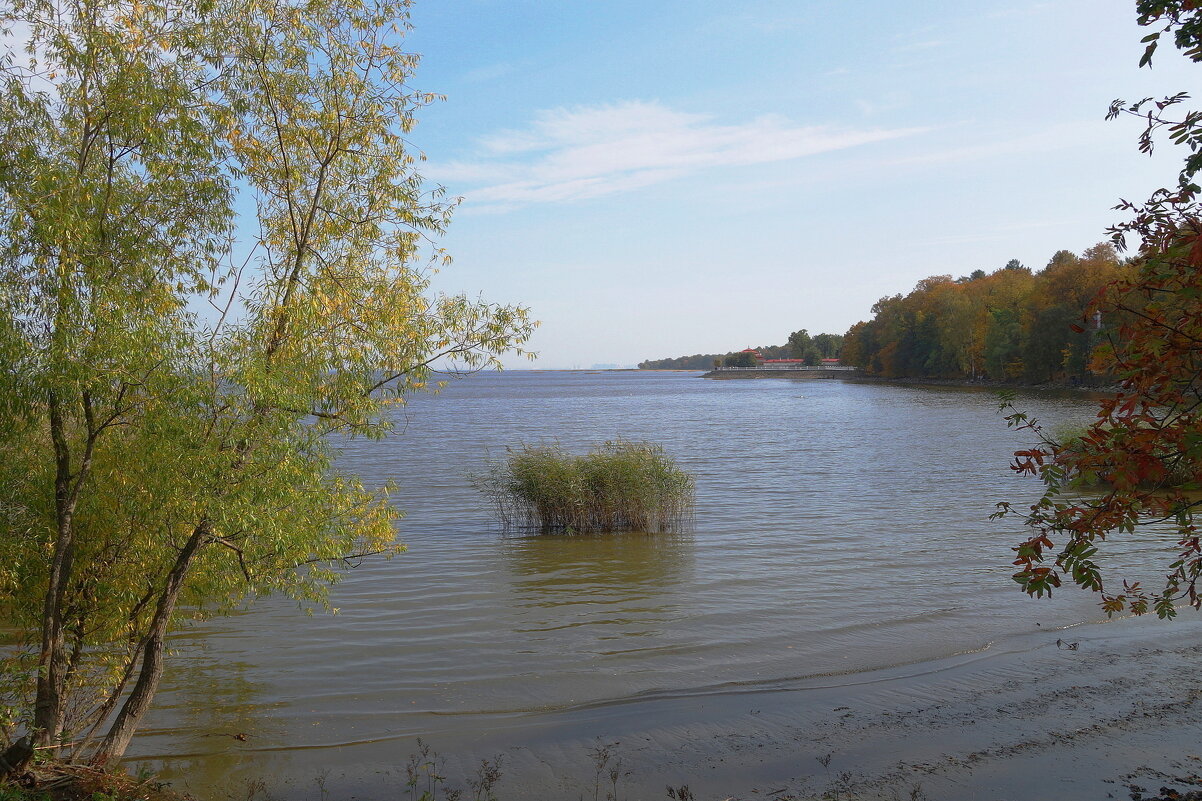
x: 618, y: 486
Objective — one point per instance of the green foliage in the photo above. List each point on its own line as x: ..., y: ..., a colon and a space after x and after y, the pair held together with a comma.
x: 152, y: 462
x: 698, y: 361
x: 812, y: 350
x: 741, y: 359
x: 820, y: 346
x: 13, y: 792
x: 618, y: 486
x: 801, y: 346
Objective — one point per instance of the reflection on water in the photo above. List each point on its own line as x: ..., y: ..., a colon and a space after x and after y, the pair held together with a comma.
x: 840, y: 527
x: 592, y: 594
x: 553, y: 570
x: 219, y: 710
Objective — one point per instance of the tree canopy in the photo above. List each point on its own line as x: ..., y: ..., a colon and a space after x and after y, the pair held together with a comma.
x: 1012, y: 325
x: 156, y: 461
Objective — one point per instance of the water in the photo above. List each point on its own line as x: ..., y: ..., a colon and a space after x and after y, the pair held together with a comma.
x: 840, y: 528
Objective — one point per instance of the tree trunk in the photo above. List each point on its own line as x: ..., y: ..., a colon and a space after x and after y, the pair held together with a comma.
x: 52, y: 660
x: 140, y: 697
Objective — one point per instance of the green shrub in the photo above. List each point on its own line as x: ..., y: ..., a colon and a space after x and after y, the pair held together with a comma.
x: 618, y: 486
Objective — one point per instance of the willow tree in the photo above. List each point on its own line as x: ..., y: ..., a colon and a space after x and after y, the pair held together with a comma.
x: 252, y: 155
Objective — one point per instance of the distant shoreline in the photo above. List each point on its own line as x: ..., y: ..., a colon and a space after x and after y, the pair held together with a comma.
x: 803, y: 375
x: 863, y: 378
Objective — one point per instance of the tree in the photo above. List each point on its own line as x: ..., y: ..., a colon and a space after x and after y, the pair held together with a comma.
x: 1145, y: 449
x: 857, y: 345
x: 828, y: 345
x: 741, y: 359
x: 803, y: 346
x: 156, y: 464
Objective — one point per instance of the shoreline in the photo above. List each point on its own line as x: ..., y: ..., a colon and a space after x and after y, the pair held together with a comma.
x: 996, y: 386
x: 1022, y: 719
x: 862, y: 378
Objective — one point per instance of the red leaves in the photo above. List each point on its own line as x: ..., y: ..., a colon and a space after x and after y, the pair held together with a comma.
x: 1145, y: 442
x: 1028, y: 461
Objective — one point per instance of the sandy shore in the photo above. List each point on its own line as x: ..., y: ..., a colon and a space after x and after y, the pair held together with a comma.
x: 1024, y: 720
x: 1033, y: 721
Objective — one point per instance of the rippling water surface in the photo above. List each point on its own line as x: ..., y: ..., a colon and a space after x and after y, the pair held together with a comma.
x: 840, y: 528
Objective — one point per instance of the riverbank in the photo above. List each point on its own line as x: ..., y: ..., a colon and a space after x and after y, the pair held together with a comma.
x: 984, y: 383
x: 54, y: 781
x: 1079, y: 714
x: 1075, y: 715
x: 860, y: 376
x: 745, y: 372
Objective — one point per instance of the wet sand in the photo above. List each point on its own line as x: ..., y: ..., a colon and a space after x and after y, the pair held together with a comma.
x: 1026, y: 720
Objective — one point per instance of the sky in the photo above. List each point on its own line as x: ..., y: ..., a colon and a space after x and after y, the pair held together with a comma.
x: 657, y: 178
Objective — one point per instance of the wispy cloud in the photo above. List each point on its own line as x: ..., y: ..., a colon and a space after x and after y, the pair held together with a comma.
x: 1062, y: 136
x: 578, y: 153
x: 488, y: 73
x: 889, y: 102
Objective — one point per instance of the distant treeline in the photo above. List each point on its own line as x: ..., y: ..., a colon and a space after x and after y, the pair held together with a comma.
x: 700, y: 361
x: 1011, y: 325
x: 800, y: 346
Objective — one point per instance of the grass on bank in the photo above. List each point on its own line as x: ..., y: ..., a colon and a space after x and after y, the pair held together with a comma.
x: 618, y: 486
x: 60, y: 781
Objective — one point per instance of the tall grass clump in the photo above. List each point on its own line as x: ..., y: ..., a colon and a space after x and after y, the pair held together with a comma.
x: 618, y: 486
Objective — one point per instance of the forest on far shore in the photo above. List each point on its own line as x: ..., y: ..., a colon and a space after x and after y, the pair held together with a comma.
x: 1012, y: 325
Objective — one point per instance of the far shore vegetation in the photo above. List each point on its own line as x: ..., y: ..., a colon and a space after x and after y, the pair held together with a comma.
x: 618, y: 486
x: 1014, y: 326
x: 801, y: 345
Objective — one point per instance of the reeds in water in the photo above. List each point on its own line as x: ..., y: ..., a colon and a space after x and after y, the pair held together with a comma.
x: 618, y: 486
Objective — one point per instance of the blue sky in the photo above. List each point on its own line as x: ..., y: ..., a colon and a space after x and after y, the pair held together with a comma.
x: 661, y: 178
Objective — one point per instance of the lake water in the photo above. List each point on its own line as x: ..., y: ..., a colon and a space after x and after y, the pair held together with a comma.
x: 841, y: 528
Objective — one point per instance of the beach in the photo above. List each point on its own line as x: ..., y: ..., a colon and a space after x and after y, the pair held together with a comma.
x: 1033, y: 721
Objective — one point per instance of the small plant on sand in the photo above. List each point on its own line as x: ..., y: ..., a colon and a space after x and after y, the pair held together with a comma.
x: 618, y: 486
x: 425, y: 779
x: 608, y: 772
